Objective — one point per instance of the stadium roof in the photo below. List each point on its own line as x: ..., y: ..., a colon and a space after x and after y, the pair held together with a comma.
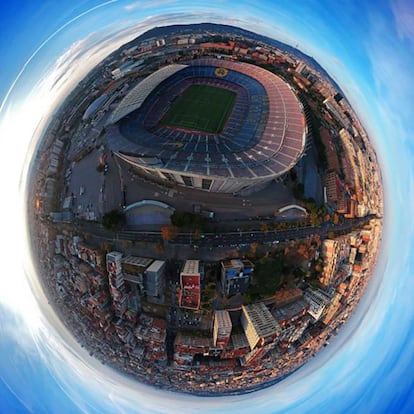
x: 268, y: 142
x: 94, y: 106
x: 135, y: 98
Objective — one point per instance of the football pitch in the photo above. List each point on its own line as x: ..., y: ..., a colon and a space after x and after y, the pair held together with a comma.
x: 201, y: 108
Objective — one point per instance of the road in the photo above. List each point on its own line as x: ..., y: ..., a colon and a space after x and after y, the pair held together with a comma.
x: 228, y: 239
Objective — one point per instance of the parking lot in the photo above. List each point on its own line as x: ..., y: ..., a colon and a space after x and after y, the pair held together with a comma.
x: 95, y: 193
x: 225, y: 206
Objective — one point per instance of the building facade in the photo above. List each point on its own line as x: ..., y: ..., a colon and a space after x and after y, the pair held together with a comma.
x: 133, y: 269
x: 263, y: 139
x: 117, y: 287
x: 318, y: 300
x: 259, y: 325
x: 154, y: 279
x: 235, y: 275
x: 190, y: 278
x: 221, y: 328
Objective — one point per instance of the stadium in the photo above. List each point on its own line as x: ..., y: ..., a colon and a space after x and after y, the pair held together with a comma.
x: 211, y: 124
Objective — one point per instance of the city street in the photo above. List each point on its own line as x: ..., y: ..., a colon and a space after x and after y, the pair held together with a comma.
x: 223, y: 240
x: 226, y: 206
x: 105, y: 192
x: 85, y: 184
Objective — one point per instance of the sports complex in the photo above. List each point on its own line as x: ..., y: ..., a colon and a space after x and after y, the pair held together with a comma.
x: 211, y: 124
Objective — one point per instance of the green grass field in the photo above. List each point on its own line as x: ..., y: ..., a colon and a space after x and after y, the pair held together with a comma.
x: 201, y: 108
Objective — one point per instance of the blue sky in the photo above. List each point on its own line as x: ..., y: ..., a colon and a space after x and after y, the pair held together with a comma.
x: 368, y: 49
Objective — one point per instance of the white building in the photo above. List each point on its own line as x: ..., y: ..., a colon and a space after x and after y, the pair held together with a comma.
x: 318, y: 301
x: 154, y: 278
x: 259, y: 325
x: 221, y: 328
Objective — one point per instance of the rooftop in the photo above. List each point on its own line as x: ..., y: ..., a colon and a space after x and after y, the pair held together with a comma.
x: 262, y: 320
x: 266, y: 143
x: 191, y: 267
x: 137, y: 261
x: 223, y: 318
x: 156, y: 266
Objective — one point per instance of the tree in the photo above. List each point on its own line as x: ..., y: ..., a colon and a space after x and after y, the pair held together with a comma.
x: 313, y: 218
x: 253, y: 248
x: 169, y: 232
x: 298, y: 191
x: 125, y: 244
x: 197, y: 234
x: 106, y: 247
x: 264, y: 228
x: 160, y: 248
x: 113, y: 220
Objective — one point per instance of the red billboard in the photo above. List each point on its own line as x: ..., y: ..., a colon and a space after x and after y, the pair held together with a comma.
x: 190, y: 291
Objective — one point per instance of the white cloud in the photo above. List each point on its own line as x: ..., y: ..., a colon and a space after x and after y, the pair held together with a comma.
x: 148, y: 4
x: 81, y: 377
x: 403, y: 12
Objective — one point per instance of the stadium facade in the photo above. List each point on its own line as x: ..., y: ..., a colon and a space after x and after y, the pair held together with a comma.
x: 262, y: 139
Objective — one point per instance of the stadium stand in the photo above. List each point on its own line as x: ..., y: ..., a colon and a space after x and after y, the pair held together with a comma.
x: 137, y: 96
x: 263, y: 138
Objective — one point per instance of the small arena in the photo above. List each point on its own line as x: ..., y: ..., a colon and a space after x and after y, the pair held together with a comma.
x: 214, y: 125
